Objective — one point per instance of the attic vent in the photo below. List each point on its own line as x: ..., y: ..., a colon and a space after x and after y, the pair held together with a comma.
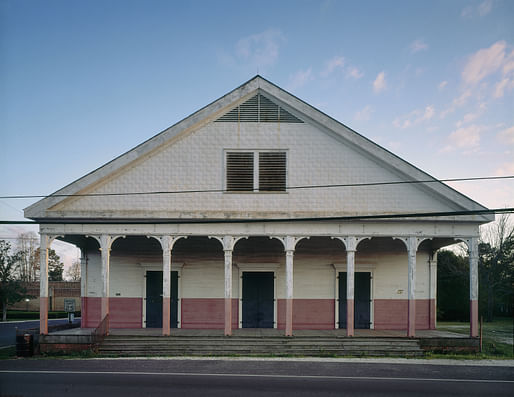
x: 259, y: 109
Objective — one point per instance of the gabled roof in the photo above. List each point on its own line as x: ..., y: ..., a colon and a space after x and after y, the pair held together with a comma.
x: 222, y: 106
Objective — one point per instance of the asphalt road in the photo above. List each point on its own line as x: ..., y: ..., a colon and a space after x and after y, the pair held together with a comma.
x: 8, y: 329
x: 143, y: 377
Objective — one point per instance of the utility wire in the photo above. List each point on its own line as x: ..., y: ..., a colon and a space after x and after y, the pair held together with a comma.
x: 287, y: 188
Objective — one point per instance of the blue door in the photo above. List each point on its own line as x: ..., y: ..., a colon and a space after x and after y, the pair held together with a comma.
x: 362, y: 299
x: 258, y: 299
x: 154, y: 299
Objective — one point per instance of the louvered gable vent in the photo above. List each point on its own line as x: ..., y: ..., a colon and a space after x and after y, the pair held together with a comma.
x: 272, y: 171
x: 240, y: 172
x: 259, y: 109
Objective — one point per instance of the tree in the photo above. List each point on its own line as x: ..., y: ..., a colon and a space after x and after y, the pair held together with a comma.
x: 496, y: 267
x: 452, y: 286
x: 55, y: 266
x: 11, y: 289
x: 28, y: 264
x: 73, y: 273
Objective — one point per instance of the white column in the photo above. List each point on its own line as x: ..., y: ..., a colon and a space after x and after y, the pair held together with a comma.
x: 228, y: 243
x: 432, y: 269
x: 289, y: 292
x: 167, y: 243
x: 412, y: 247
x: 350, y: 284
x: 473, y: 286
x: 228, y: 291
x: 105, y: 248
x: 43, y: 284
x: 83, y: 285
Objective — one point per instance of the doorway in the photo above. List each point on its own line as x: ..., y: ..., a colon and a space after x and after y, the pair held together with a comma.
x: 362, y: 300
x: 154, y: 299
x: 258, y: 299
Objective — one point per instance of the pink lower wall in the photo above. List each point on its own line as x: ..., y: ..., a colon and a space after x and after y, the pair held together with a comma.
x: 308, y: 314
x: 91, y: 309
x: 124, y: 312
x: 198, y: 313
x: 392, y: 314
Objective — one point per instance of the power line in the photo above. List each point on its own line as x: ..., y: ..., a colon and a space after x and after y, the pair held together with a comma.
x: 287, y: 188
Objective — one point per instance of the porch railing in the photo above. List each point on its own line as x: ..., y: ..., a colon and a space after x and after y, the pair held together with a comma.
x: 101, y: 331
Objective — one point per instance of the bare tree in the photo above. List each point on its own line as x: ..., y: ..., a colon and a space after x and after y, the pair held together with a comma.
x: 496, y: 265
x: 26, y: 246
x: 73, y: 273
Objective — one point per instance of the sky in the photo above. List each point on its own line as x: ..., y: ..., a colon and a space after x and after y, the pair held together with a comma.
x: 82, y: 82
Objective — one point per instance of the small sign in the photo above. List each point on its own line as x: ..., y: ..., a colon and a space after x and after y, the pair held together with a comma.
x: 69, y: 305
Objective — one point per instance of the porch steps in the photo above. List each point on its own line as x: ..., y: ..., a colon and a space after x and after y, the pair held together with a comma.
x: 117, y: 345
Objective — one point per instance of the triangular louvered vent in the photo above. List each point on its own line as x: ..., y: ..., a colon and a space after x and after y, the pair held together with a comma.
x: 259, y: 109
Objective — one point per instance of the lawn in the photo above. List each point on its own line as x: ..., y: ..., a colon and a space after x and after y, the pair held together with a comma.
x: 498, y: 336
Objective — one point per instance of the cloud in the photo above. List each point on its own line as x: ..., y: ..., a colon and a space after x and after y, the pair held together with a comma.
x: 505, y: 169
x: 415, y: 117
x: 299, y: 79
x: 471, y: 116
x: 442, y: 85
x: 507, y: 136
x: 485, y: 8
x: 484, y: 63
x: 458, y: 102
x: 501, y: 86
x: 261, y: 49
x: 364, y: 114
x: 464, y: 138
x: 480, y: 10
x: 418, y: 45
x: 379, y: 84
x: 333, y: 64
x: 353, y: 72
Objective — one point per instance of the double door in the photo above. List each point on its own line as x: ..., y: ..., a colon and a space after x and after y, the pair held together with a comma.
x: 362, y: 300
x: 154, y: 299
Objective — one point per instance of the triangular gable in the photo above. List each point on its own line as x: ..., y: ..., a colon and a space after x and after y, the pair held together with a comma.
x: 259, y: 100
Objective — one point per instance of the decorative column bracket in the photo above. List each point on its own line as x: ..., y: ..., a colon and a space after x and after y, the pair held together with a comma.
x: 167, y: 243
x: 228, y: 243
x: 350, y: 243
x: 105, y: 241
x: 289, y: 243
x: 412, y: 243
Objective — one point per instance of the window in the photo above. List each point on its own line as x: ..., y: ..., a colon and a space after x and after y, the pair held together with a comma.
x: 256, y: 171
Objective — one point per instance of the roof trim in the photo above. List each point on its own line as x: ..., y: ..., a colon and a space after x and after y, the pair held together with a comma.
x: 291, y: 103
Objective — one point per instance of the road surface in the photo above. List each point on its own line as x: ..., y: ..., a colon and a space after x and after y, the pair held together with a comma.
x: 165, y: 377
x: 8, y: 329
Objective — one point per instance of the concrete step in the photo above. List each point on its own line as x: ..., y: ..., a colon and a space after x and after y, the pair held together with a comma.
x: 219, y: 346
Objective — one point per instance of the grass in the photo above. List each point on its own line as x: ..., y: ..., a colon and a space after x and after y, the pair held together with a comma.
x: 7, y: 352
x: 19, y: 315
x: 498, y: 338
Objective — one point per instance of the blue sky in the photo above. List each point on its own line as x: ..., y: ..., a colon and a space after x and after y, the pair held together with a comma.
x: 81, y: 82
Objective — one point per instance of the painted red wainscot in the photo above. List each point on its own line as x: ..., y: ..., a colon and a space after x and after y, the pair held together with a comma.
x: 207, y: 313
x: 308, y: 314
x: 90, y: 315
x: 126, y: 312
x: 392, y: 314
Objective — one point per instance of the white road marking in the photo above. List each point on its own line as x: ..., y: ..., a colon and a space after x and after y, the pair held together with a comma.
x: 320, y: 377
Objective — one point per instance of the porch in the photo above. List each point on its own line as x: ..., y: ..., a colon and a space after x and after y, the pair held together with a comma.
x: 201, y: 276
x: 258, y: 342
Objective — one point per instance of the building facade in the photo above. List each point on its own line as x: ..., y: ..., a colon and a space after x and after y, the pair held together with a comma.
x: 259, y: 211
